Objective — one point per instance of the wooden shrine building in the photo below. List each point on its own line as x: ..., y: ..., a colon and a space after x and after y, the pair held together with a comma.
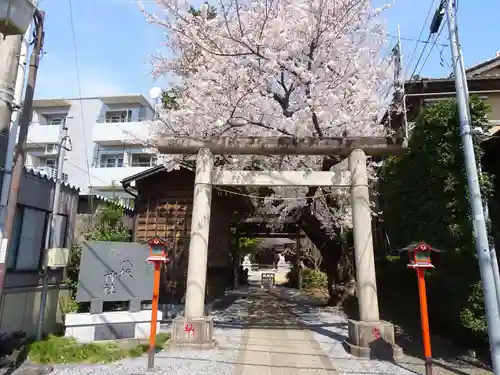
x: 164, y: 203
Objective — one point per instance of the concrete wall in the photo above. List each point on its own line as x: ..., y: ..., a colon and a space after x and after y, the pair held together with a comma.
x: 20, y: 305
x: 80, y: 130
x: 493, y: 99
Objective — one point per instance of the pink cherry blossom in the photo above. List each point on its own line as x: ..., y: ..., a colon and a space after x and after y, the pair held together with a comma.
x: 276, y: 67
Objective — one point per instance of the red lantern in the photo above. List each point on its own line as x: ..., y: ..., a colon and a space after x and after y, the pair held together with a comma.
x: 158, y: 250
x: 420, y: 256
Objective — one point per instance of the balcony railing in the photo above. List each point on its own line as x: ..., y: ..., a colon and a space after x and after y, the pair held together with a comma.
x: 126, y: 165
x: 124, y: 120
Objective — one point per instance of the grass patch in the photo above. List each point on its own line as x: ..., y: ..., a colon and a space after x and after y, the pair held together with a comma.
x: 56, y: 349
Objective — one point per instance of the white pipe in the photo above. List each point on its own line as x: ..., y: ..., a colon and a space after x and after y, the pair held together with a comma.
x: 14, y: 126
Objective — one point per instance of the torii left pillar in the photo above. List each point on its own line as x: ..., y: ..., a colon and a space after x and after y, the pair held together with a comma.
x: 194, y: 328
x: 368, y: 337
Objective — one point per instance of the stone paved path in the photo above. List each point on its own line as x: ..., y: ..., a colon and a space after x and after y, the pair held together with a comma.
x: 267, y: 333
x: 275, y: 344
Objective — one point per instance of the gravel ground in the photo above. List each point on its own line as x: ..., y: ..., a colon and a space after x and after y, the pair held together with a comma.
x: 176, y: 362
x: 328, y: 327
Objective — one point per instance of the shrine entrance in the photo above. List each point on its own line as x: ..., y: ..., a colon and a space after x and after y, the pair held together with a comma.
x: 263, y: 227
x: 206, y: 176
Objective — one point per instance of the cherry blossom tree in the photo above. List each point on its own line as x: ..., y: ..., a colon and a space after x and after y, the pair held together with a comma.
x: 278, y: 68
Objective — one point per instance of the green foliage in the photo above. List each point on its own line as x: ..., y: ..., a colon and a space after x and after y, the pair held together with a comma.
x: 473, y: 315
x: 249, y: 245
x: 424, y: 196
x: 313, y: 279
x: 169, y: 99
x: 425, y: 191
x: 110, y: 226
x: 211, y: 12
x: 54, y: 350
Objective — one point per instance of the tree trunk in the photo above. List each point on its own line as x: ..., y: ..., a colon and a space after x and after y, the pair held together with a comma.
x: 330, y: 248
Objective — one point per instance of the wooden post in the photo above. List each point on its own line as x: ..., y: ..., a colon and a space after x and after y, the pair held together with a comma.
x: 425, y: 320
x: 298, y: 253
x: 236, y: 263
x: 154, y: 316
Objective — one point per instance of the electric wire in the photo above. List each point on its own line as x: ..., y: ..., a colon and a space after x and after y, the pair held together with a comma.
x: 431, y: 6
x: 432, y: 47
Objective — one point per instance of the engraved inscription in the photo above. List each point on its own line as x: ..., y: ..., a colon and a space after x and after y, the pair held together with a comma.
x: 110, y: 277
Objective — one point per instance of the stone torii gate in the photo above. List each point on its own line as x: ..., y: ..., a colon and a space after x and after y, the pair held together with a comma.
x: 361, y: 333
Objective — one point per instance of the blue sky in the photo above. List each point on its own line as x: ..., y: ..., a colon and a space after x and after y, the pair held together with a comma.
x: 114, y: 42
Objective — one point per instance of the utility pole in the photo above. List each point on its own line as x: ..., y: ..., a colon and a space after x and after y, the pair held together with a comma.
x: 20, y: 155
x: 52, y: 239
x: 479, y: 222
x: 10, y: 47
x: 493, y: 252
x: 12, y: 138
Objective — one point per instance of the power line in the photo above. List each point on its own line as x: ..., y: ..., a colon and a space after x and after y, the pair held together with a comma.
x: 419, y: 41
x: 432, y: 47
x: 420, y: 36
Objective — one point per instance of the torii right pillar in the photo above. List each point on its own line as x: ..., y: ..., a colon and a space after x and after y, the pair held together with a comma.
x: 369, y: 337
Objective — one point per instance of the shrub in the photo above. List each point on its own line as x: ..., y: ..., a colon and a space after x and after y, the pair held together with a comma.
x: 312, y: 279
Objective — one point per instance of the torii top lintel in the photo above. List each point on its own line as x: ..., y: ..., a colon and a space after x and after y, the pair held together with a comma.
x: 374, y: 146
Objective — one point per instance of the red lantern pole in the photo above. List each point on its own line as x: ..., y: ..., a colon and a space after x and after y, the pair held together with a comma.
x: 154, y: 316
x: 425, y: 320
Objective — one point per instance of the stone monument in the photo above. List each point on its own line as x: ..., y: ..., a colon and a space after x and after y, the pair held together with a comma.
x: 112, y: 272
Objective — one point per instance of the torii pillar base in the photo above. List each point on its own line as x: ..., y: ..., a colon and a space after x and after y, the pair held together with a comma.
x: 372, y: 340
x: 192, y: 332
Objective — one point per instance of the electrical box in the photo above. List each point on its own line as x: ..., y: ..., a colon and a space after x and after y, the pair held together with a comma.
x: 57, y: 257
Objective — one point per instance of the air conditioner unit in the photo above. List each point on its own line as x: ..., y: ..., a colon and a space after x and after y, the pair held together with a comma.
x: 51, y: 149
x: 57, y: 257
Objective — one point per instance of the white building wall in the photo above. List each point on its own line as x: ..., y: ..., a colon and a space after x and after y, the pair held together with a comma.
x: 89, y: 132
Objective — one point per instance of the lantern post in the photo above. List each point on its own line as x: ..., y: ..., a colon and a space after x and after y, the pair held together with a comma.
x: 157, y: 255
x: 420, y: 259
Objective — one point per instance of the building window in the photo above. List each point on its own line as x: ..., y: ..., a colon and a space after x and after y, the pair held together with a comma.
x: 111, y: 161
x: 48, y: 162
x: 143, y: 160
x: 56, y: 119
x: 119, y: 116
x: 27, y: 239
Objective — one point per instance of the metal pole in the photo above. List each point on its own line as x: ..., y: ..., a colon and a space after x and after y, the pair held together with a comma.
x: 20, y: 155
x: 10, y: 50
x: 493, y: 254
x: 479, y: 223
x: 12, y: 138
x: 51, y: 238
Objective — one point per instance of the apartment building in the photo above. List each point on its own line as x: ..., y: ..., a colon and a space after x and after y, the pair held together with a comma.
x: 108, y: 137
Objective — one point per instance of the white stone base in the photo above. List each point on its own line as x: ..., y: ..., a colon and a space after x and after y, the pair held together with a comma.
x: 82, y: 326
